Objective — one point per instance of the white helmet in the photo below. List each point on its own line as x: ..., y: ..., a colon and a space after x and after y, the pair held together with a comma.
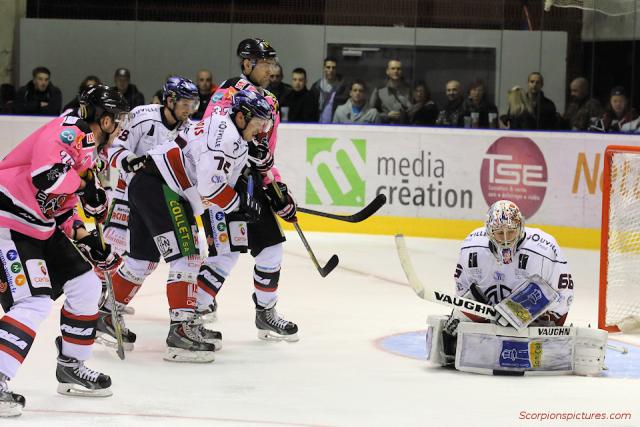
x: 505, y: 228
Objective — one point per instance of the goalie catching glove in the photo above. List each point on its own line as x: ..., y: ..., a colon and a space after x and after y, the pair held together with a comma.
x: 91, y: 247
x: 283, y: 205
x: 93, y: 198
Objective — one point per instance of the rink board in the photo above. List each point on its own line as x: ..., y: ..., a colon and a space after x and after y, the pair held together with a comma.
x: 439, y: 182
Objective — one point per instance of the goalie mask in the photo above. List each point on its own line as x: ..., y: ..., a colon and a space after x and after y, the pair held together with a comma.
x: 505, y: 228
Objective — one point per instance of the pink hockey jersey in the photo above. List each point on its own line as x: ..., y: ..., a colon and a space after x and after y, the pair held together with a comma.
x: 221, y: 101
x: 39, y: 178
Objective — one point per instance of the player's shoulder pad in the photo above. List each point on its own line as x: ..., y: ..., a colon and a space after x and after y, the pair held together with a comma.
x: 272, y: 100
x: 541, y: 242
x: 476, y: 236
x: 145, y: 112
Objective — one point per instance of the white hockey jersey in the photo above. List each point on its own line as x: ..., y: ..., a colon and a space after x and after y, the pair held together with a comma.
x: 212, y: 160
x: 537, y: 254
x: 147, y: 130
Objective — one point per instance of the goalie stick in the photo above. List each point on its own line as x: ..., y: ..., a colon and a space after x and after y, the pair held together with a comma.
x: 426, y: 293
x: 359, y: 216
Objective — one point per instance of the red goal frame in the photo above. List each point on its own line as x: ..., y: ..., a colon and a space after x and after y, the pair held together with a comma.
x: 604, y: 232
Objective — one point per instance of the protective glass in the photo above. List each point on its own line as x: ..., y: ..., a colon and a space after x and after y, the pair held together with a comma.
x: 265, y: 125
x: 191, y: 105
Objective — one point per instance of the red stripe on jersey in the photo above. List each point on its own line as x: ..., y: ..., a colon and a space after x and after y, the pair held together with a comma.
x: 114, y: 158
x: 175, y: 161
x: 88, y: 341
x: 12, y: 353
x: 86, y: 318
x: 24, y: 328
x: 122, y: 184
x: 225, y: 197
x: 260, y: 288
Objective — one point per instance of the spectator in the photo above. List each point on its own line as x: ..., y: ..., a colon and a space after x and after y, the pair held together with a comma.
x: 7, y: 96
x: 424, y: 111
x: 206, y: 88
x: 452, y: 114
x: 392, y: 100
x: 157, y: 97
x: 86, y: 83
x: 330, y: 91
x: 276, y: 86
x: 356, y: 109
x: 618, y: 116
x: 39, y: 97
x: 582, y: 107
x: 122, y: 79
x: 481, y: 112
x: 519, y: 111
x: 543, y: 109
x: 299, y: 105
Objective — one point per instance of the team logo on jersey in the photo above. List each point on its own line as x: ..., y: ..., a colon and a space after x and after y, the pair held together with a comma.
x: 12, y: 255
x: 497, y: 293
x: 38, y: 273
x: 514, y: 168
x: 336, y: 170
x: 68, y: 136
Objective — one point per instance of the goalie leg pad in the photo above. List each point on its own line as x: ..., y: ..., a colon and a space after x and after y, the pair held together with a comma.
x: 435, y: 349
x: 492, y: 349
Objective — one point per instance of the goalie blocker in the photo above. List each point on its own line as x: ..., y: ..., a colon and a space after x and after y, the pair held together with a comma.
x: 491, y: 349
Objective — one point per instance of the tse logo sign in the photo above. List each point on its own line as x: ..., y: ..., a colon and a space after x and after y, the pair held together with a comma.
x: 514, y: 169
x: 503, y: 170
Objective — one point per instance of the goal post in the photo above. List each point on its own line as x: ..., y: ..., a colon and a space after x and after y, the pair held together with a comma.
x: 619, y: 293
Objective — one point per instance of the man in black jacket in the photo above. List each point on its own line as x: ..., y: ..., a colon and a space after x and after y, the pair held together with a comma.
x: 544, y: 110
x: 39, y: 97
x: 299, y: 105
x: 130, y: 92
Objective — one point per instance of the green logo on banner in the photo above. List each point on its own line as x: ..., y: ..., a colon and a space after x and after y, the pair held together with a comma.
x: 336, y: 170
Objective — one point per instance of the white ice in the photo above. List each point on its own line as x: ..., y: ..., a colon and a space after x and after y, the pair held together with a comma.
x: 335, y: 375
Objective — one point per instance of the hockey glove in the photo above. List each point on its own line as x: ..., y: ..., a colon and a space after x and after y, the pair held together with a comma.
x: 284, y: 206
x: 94, y: 199
x: 260, y: 157
x: 134, y: 163
x: 249, y: 209
x: 91, y: 248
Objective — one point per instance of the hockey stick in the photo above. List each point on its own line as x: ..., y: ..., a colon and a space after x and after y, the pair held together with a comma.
x: 426, y: 293
x: 112, y: 301
x: 365, y: 213
x: 333, y: 261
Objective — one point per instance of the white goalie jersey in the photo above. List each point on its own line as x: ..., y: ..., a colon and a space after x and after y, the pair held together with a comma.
x: 537, y: 255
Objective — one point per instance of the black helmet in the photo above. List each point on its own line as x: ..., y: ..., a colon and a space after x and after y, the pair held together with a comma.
x: 99, y: 100
x: 255, y: 49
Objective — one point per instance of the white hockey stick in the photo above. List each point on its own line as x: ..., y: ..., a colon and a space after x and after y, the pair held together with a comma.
x: 426, y: 293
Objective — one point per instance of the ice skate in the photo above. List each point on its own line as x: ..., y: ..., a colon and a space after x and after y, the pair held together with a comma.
x: 205, y: 317
x: 11, y: 404
x: 106, y: 335
x: 185, y: 343
x: 75, y: 379
x: 271, y: 327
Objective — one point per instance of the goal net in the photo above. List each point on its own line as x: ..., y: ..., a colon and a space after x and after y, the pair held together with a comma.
x: 619, y: 300
x: 605, y: 7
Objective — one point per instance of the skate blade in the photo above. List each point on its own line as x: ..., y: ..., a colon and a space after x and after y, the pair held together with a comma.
x: 267, y: 335
x: 71, y: 389
x: 10, y: 409
x: 216, y: 343
x: 108, y: 341
x: 181, y: 355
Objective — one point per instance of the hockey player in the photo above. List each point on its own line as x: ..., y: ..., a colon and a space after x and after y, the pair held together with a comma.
x: 522, y: 273
x: 162, y: 201
x: 151, y: 125
x: 41, y: 181
x: 265, y: 237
